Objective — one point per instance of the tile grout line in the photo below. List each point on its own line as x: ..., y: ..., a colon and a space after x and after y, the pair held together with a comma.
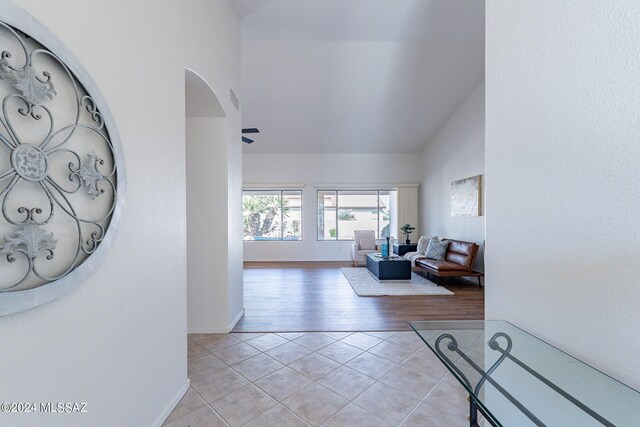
x: 376, y: 381
x: 209, y: 406
x: 431, y: 391
x: 423, y: 399
x: 316, y: 381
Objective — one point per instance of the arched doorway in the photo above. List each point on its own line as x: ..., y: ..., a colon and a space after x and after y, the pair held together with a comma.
x: 206, y: 179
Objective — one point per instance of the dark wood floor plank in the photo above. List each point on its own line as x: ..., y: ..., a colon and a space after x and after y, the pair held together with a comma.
x: 283, y: 297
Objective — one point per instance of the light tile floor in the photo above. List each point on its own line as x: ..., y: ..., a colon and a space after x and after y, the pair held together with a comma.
x: 317, y: 379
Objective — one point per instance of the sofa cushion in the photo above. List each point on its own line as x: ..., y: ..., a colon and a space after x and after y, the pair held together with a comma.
x: 462, y: 253
x: 367, y: 244
x: 440, y: 265
x: 437, y: 249
x: 423, y: 243
x: 458, y: 246
x: 413, y: 256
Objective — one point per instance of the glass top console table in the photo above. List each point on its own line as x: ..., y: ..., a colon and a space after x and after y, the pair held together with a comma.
x: 516, y: 379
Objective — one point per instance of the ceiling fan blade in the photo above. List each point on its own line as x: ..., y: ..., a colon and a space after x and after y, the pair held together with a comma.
x: 250, y: 130
x: 247, y: 140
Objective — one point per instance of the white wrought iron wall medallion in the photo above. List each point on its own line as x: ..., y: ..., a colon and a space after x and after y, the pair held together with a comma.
x: 61, y: 167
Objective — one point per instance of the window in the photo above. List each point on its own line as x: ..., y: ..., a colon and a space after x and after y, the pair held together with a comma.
x: 272, y: 215
x: 340, y: 213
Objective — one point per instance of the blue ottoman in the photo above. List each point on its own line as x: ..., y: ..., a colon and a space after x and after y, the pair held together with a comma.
x: 393, y: 268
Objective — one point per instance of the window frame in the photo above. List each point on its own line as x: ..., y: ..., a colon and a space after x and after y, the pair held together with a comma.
x: 281, y: 195
x: 336, y: 192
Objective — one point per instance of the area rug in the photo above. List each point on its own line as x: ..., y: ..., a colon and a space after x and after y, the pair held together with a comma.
x: 365, y: 285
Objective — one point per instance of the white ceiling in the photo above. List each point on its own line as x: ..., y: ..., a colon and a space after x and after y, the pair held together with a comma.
x: 349, y: 76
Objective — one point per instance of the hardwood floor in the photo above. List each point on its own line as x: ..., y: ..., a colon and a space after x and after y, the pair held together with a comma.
x: 313, y: 296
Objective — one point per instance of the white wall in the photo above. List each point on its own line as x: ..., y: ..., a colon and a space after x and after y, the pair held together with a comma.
x: 235, y: 295
x: 562, y: 156
x: 456, y: 152
x: 206, y: 258
x: 320, y: 168
x: 118, y: 341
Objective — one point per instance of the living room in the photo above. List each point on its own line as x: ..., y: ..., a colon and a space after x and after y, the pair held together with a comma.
x: 422, y: 180
x: 380, y: 165
x: 545, y: 112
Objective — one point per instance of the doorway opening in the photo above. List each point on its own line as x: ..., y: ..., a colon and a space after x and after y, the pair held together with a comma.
x: 206, y: 178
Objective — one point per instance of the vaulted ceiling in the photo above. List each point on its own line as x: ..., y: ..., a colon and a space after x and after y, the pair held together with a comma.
x: 351, y: 76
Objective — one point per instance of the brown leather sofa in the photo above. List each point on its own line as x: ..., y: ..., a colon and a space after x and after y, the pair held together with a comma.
x: 458, y: 262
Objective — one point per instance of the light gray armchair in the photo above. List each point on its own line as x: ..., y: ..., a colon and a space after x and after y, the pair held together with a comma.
x: 364, y: 243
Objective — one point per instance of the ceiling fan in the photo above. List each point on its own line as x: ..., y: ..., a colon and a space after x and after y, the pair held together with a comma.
x: 249, y: 130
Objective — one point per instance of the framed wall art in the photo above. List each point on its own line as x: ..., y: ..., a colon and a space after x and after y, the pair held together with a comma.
x: 465, y: 197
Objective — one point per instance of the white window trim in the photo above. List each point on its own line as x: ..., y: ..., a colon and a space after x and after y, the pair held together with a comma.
x: 282, y: 190
x: 350, y: 187
x: 270, y: 186
x: 364, y: 187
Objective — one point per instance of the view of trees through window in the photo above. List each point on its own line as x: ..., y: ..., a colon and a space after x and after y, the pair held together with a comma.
x: 340, y: 213
x: 272, y: 215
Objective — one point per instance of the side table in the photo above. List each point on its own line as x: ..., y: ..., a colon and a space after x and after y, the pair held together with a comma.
x: 402, y: 248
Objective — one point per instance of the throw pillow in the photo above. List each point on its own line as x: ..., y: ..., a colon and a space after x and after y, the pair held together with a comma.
x: 367, y: 244
x: 423, y: 243
x: 437, y: 249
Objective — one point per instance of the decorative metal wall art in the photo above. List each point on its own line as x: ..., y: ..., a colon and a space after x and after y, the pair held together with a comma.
x: 60, y: 171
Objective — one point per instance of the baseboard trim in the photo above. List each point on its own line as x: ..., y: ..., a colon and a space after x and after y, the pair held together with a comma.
x: 296, y: 264
x: 217, y: 330
x: 172, y: 404
x: 235, y: 321
x: 207, y: 331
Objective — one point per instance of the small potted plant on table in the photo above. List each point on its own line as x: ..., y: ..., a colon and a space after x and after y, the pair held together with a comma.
x: 407, y: 229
